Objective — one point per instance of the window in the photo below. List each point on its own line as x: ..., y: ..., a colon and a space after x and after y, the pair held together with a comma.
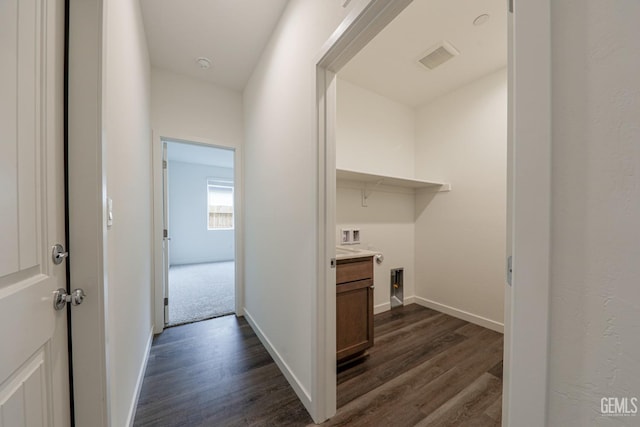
x: 219, y: 204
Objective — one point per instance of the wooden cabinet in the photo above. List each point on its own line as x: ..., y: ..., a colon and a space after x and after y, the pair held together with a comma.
x: 354, y: 307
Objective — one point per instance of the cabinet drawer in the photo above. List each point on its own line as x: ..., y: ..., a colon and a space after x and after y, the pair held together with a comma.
x: 352, y: 270
x: 351, y: 286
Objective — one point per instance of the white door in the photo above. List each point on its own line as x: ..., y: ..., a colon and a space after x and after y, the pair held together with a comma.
x: 34, y: 380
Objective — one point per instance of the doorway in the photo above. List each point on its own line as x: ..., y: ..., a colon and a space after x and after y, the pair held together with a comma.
x: 434, y: 134
x: 528, y: 201
x: 199, y: 231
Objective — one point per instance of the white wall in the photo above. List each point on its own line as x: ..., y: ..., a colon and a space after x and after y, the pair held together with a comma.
x: 374, y: 134
x: 458, y: 138
x: 127, y: 139
x: 191, y: 241
x: 281, y: 186
x: 461, y: 235
x: 182, y: 107
x: 387, y: 226
x: 594, y: 350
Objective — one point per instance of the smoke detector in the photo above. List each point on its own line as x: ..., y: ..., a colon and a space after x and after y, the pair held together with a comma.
x: 203, y: 62
x: 438, y: 55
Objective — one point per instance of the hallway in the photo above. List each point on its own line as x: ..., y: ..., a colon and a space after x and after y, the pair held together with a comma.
x: 215, y: 373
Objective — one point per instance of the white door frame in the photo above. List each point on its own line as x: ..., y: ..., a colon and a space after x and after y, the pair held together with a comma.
x: 529, y: 214
x: 526, y: 318
x: 87, y: 207
x: 158, y: 214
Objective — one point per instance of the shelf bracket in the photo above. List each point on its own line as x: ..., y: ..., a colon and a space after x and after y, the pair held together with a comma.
x: 366, y: 193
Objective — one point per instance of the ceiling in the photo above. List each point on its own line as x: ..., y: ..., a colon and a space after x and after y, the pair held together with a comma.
x: 199, y: 154
x: 389, y: 66
x: 232, y: 33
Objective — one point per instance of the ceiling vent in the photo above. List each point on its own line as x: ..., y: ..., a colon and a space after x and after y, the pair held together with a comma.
x: 438, y: 55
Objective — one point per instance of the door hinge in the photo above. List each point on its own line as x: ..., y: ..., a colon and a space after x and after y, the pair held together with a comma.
x: 166, y: 301
x: 332, y: 263
x: 510, y: 6
x: 165, y: 233
x: 164, y: 164
x: 509, y: 270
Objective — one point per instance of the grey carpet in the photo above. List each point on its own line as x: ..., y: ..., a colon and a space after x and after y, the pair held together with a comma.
x: 200, y: 291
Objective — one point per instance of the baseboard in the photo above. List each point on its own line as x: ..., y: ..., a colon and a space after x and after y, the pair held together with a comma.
x: 461, y: 314
x: 198, y: 261
x: 381, y: 308
x: 132, y: 410
x: 409, y: 300
x: 299, y: 389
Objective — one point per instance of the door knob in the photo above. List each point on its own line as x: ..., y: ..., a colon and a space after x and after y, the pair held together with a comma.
x: 61, y: 298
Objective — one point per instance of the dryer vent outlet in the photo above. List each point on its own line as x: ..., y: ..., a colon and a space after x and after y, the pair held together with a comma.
x: 397, y: 287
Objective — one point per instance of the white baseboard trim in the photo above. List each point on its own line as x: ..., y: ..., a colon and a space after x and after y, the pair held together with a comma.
x: 461, y: 314
x: 302, y: 393
x: 381, y: 308
x: 409, y: 300
x: 143, y: 368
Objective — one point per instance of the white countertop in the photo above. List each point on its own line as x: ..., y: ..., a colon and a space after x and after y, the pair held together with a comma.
x: 349, y: 252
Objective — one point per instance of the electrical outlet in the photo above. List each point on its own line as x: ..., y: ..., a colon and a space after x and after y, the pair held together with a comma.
x: 345, y: 236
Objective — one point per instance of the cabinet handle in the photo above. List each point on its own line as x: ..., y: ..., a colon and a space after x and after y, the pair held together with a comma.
x: 372, y: 287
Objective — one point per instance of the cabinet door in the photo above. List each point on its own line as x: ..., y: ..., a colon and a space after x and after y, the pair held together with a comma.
x: 354, y: 322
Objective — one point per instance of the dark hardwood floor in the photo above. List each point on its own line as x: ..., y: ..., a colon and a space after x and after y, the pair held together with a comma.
x: 215, y: 373
x: 425, y: 369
